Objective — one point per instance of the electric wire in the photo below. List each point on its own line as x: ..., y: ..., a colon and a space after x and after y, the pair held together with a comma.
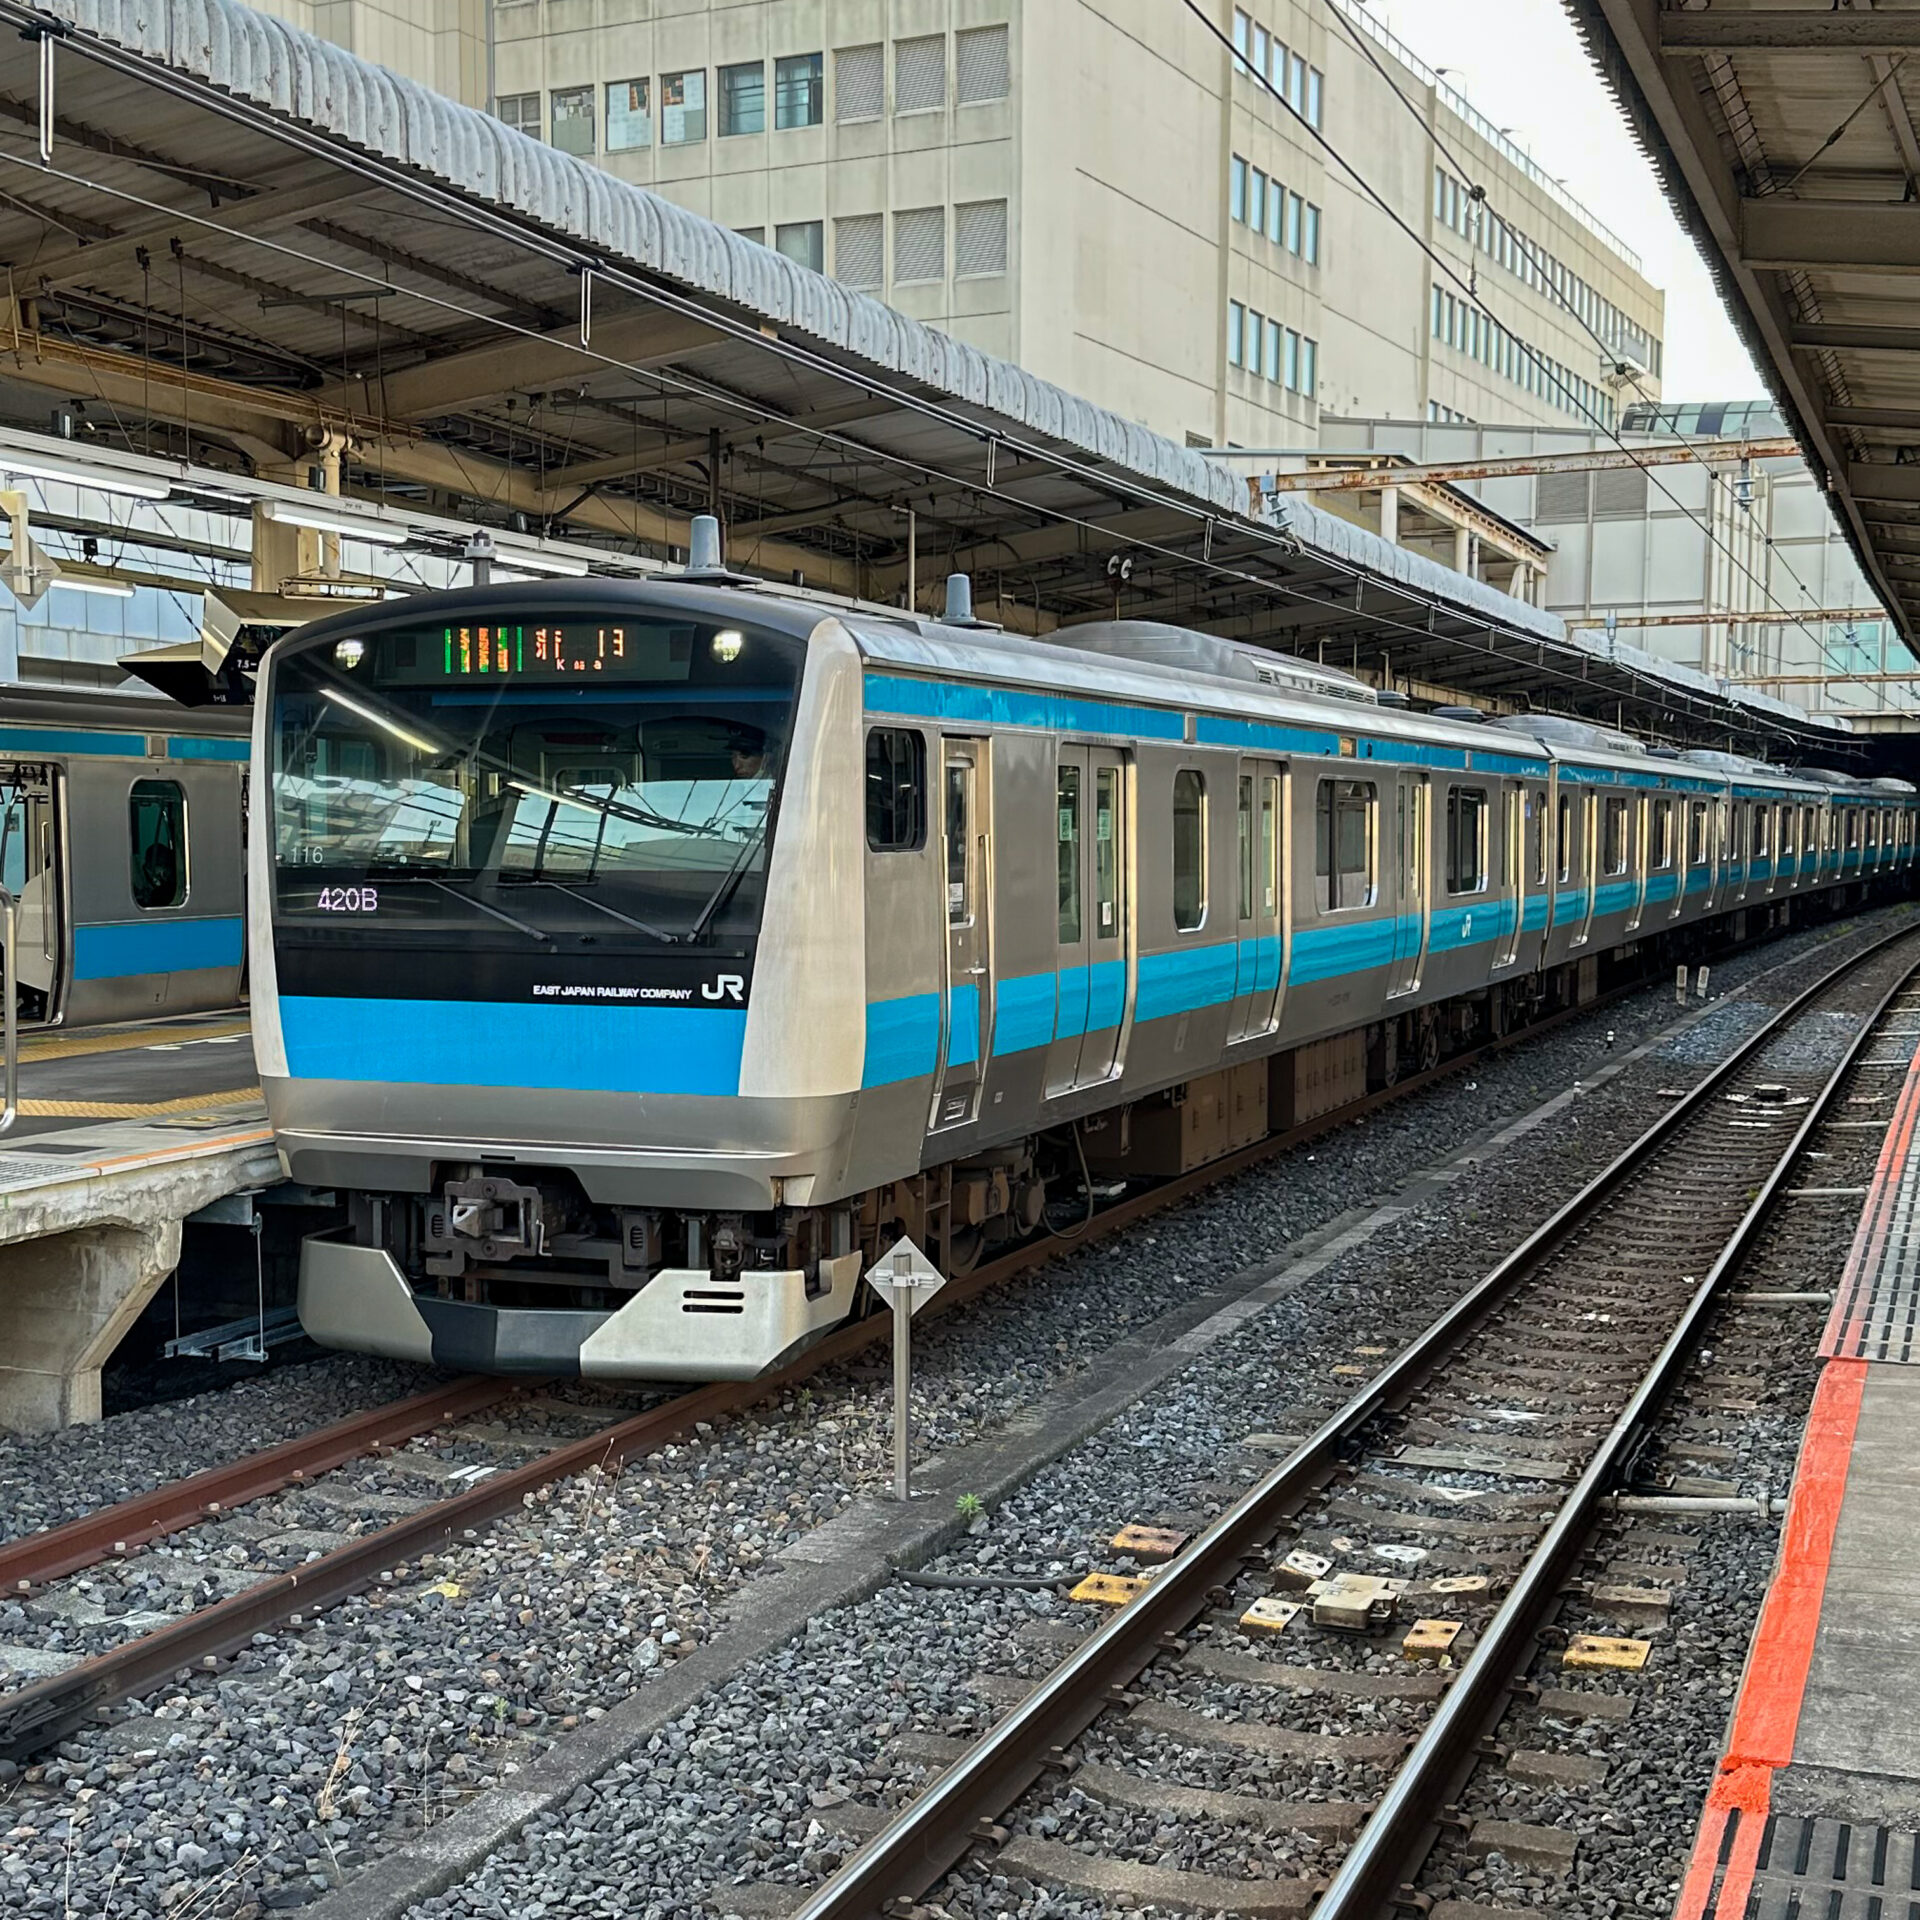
x: 1541, y: 262
x: 876, y: 386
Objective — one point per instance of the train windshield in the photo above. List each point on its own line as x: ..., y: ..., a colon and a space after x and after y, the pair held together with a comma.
x: 576, y: 782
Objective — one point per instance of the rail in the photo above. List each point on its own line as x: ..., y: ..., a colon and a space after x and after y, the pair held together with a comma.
x: 934, y: 1832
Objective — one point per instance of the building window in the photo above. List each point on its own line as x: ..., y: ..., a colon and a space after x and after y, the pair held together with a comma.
x: 1242, y: 36
x: 520, y: 111
x: 1256, y: 199
x: 1235, y: 314
x: 920, y: 74
x: 157, y: 843
x: 1290, y: 372
x: 1276, y: 212
x: 1277, y: 70
x: 1259, y: 49
x: 1270, y: 351
x: 799, y: 90
x: 573, y: 119
x: 860, y: 251
x: 896, y: 790
x: 683, y: 108
x: 980, y: 66
x: 743, y: 99
x: 1309, y: 366
x: 1189, y: 850
x: 859, y: 83
x: 1294, y: 206
x: 629, y: 122
x: 1310, y: 235
x: 1466, y: 840
x: 804, y: 241
x: 979, y: 238
x: 758, y: 235
x: 1237, y: 189
x: 1316, y: 83
x: 1254, y: 331
x: 1297, y: 85
x: 919, y: 245
x: 1343, y: 844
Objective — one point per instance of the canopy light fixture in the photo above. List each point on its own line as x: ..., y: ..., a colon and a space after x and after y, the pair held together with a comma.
x: 288, y: 513
x: 78, y: 474
x: 93, y: 583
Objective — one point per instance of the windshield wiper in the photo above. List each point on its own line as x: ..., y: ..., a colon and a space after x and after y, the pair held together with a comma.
x: 480, y: 906
x: 612, y: 913
x: 721, y: 894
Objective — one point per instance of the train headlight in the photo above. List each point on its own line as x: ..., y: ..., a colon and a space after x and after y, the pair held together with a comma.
x: 349, y: 653
x: 726, y: 645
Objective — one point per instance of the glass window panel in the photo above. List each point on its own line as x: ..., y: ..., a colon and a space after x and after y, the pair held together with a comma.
x: 1067, y: 853
x: 743, y: 99
x: 1243, y: 847
x: 157, y: 844
x: 1106, y: 853
x: 804, y: 241
x: 629, y: 116
x: 683, y: 108
x: 573, y: 119
x: 1189, y: 850
x: 799, y: 90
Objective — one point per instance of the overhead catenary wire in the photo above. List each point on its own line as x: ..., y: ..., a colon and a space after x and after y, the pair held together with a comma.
x: 1539, y: 260
x: 1661, y: 695
x: 521, y: 234
x: 1470, y: 289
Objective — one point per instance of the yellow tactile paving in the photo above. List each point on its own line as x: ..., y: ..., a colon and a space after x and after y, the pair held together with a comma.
x: 132, y: 1110
x: 59, y: 1046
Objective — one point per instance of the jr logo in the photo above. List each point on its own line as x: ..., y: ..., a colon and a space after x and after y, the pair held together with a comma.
x: 725, y: 986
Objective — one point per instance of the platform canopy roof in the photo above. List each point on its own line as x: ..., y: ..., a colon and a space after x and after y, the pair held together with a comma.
x: 233, y: 244
x: 1785, y: 133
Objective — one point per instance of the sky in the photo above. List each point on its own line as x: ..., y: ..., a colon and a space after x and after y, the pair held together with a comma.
x: 1523, y: 66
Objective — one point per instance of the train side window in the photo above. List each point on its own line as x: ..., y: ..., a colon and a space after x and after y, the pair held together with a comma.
x: 1761, y: 840
x: 1343, y: 844
x: 959, y: 848
x: 1189, y: 850
x: 1613, y: 840
x: 1270, y: 846
x: 1244, y: 846
x: 1067, y: 834
x: 1696, y: 833
x: 1106, y: 851
x: 1564, y: 837
x: 1807, y: 842
x: 1466, y: 839
x: 1536, y: 809
x: 896, y: 790
x: 157, y: 843
x: 1853, y: 829
x: 1660, y: 837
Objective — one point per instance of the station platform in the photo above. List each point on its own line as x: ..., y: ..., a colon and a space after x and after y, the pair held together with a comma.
x: 123, y: 1134
x: 1815, y: 1805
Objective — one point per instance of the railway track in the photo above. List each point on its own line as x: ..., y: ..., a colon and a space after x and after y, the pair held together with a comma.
x: 43, y: 1711
x: 1467, y: 1478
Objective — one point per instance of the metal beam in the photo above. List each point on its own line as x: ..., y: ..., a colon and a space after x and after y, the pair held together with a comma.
x: 1779, y: 235
x: 1820, y: 335
x: 623, y: 466
x: 1788, y: 30
x: 1770, y: 617
x: 1895, y: 419
x: 1600, y: 459
x: 517, y: 364
x: 1882, y: 480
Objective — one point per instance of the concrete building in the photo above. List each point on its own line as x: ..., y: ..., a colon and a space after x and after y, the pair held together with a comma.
x: 1735, y: 567
x: 1108, y: 194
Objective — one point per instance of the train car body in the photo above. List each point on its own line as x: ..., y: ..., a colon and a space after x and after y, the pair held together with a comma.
x: 639, y: 960
x: 122, y: 826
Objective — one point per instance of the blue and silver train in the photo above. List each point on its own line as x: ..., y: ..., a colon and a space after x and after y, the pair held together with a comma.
x: 122, y: 831
x: 639, y: 960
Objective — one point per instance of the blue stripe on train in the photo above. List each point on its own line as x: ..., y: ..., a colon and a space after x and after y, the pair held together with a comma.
x: 155, y: 946
x: 461, y: 1043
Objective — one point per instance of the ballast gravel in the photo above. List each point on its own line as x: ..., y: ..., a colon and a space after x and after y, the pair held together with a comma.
x: 336, y: 1741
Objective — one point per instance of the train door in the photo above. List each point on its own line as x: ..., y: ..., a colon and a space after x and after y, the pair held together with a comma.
x: 1091, y: 829
x: 966, y: 1022
x: 31, y: 869
x: 1256, y: 992
x: 1513, y: 884
x: 1412, y: 865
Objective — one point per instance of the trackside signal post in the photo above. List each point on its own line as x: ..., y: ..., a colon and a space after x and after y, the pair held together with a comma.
x: 906, y: 1280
